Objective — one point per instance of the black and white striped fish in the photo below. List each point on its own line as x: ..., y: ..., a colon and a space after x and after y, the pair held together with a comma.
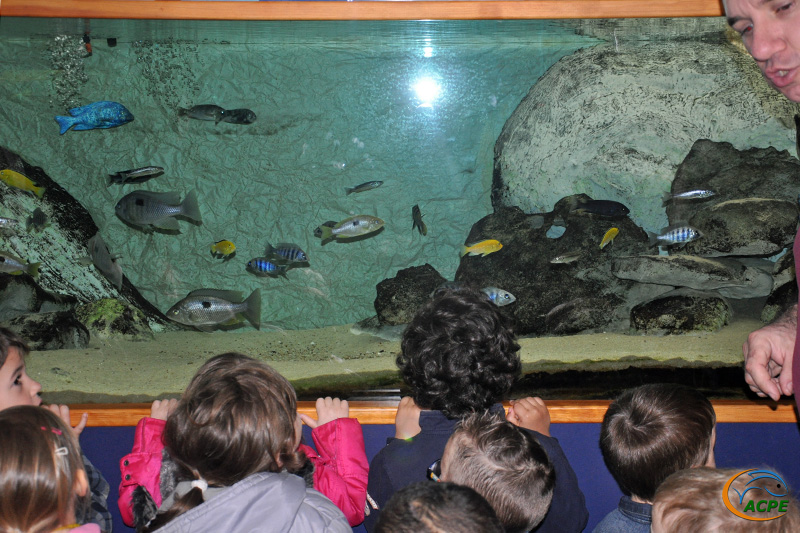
x: 286, y: 252
x: 673, y: 235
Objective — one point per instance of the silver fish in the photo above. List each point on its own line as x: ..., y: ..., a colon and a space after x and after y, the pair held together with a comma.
x: 568, y: 257
x: 37, y: 221
x: 416, y: 218
x: 157, y: 209
x: 499, y: 297
x: 104, y: 261
x: 286, y: 252
x: 238, y: 116
x: 136, y: 175
x: 8, y: 225
x: 363, y: 187
x: 673, y: 235
x: 206, y: 309
x: 203, y: 112
x: 697, y: 194
x: 11, y: 264
x: 352, y: 227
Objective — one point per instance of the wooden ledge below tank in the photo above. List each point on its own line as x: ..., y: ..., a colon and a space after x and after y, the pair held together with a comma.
x: 377, y: 412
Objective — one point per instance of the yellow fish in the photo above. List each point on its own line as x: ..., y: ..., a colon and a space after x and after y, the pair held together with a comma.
x: 15, y: 179
x: 224, y: 249
x: 482, y: 248
x: 608, y: 237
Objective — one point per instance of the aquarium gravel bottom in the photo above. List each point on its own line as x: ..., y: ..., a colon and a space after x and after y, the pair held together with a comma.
x: 335, y: 361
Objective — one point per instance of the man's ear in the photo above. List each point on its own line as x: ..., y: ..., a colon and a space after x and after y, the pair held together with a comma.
x: 81, y: 483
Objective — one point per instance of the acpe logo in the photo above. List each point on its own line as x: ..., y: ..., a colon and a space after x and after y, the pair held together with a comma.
x: 757, y: 495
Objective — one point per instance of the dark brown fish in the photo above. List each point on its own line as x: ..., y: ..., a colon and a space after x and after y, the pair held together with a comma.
x: 416, y: 216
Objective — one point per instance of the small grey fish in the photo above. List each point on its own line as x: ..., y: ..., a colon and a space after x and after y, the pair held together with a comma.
x: 135, y: 175
x: 37, y: 221
x: 499, y: 297
x: 11, y: 264
x: 286, y: 252
x: 157, y: 209
x: 203, y: 112
x: 568, y: 257
x: 697, y: 194
x: 673, y: 235
x: 363, y: 187
x: 355, y: 226
x: 416, y: 217
x: 238, y: 116
x: 8, y: 225
x: 205, y: 309
x: 104, y: 261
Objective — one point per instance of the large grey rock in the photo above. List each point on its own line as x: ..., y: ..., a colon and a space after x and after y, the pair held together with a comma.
x: 59, y: 330
x: 21, y: 295
x: 733, y: 175
x: 399, y: 298
x: 681, y: 311
x: 550, y: 295
x: 743, y: 227
x: 61, y: 247
x: 729, y: 278
x: 615, y: 123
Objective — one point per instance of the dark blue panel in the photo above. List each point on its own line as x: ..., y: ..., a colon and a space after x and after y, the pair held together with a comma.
x: 738, y: 445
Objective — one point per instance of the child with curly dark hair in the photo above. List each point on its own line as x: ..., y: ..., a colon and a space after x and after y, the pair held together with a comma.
x: 459, y: 357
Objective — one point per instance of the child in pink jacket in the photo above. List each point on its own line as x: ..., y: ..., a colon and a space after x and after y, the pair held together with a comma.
x: 338, y: 467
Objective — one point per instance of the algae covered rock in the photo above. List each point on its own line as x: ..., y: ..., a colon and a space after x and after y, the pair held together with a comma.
x: 109, y: 317
x: 681, y: 311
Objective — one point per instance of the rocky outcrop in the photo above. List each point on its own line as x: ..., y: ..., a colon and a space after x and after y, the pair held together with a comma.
x: 50, y: 331
x: 681, y: 311
x: 64, y: 281
x: 399, y: 297
x: 615, y: 122
x: 109, y: 318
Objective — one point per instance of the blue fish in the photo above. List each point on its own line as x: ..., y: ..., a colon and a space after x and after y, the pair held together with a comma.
x: 262, y: 266
x: 97, y: 115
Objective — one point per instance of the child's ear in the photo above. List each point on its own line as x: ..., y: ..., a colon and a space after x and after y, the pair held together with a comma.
x: 81, y: 483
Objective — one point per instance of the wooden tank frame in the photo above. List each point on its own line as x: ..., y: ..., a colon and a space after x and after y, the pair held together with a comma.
x: 573, y: 411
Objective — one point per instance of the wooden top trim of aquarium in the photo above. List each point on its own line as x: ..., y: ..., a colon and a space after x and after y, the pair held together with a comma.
x: 361, y: 10
x: 561, y: 412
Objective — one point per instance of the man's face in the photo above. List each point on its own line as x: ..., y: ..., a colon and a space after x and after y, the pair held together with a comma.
x: 770, y: 30
x: 16, y: 387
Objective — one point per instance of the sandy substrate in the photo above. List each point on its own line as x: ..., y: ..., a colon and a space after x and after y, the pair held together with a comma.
x: 336, y: 359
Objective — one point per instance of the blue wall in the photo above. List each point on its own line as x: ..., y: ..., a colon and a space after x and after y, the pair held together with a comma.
x: 738, y: 445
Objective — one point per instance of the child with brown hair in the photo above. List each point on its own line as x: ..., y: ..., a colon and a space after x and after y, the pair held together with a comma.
x: 648, y: 433
x: 18, y: 388
x: 232, y: 455
x: 42, y: 480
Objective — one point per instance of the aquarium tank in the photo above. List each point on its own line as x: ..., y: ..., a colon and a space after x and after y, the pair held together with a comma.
x: 295, y: 189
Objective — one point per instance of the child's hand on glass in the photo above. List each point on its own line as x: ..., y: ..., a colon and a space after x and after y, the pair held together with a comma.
x: 328, y: 410
x: 406, y: 422
x: 161, y: 409
x: 530, y: 413
x: 62, y: 411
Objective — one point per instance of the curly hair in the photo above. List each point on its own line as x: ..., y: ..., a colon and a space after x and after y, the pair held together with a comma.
x: 40, y: 465
x: 651, y: 431
x: 459, y: 353
x: 236, y: 418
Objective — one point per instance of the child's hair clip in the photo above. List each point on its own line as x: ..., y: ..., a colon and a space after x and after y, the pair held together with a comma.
x: 54, y: 430
x: 62, y: 451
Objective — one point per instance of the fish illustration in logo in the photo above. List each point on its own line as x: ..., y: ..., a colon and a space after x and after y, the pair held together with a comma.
x: 768, y: 486
x: 97, y: 115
